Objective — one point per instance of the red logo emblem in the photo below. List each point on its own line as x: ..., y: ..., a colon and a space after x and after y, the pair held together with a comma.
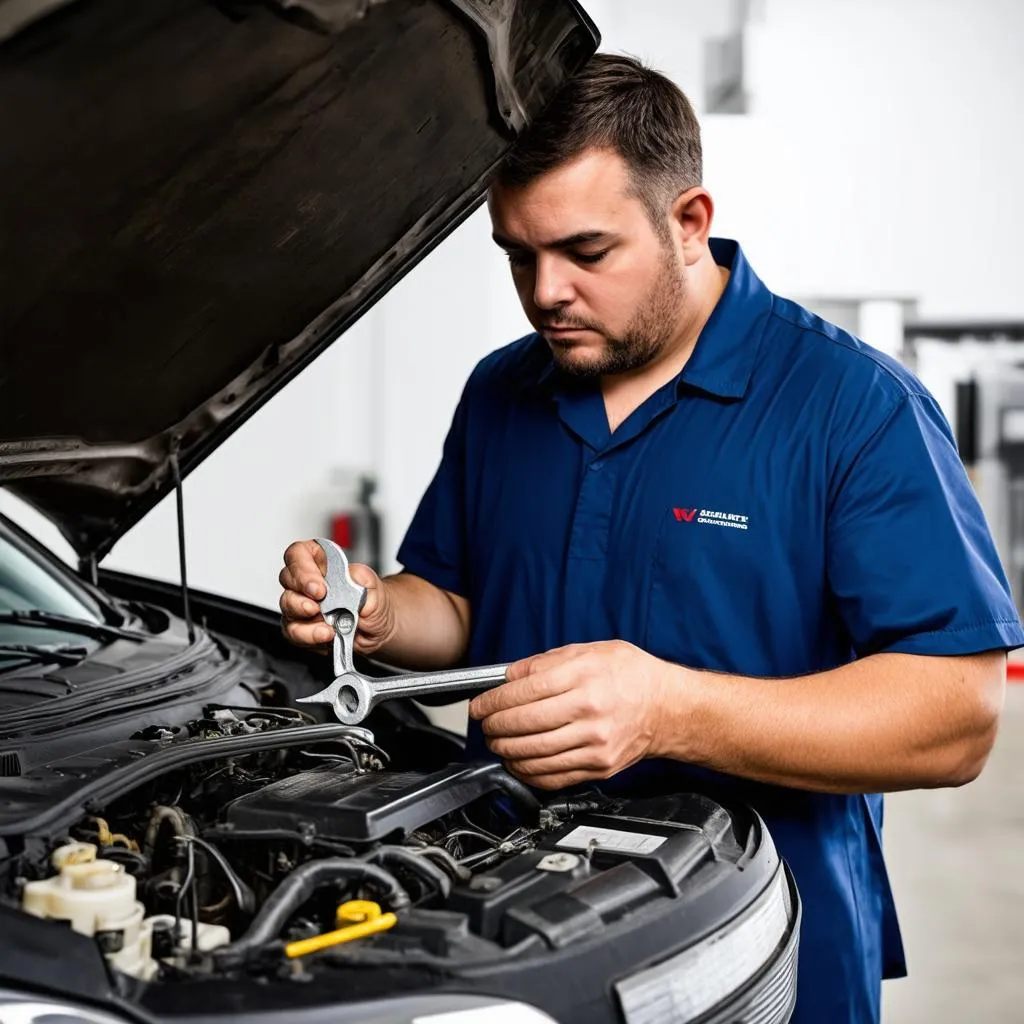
x: 684, y: 515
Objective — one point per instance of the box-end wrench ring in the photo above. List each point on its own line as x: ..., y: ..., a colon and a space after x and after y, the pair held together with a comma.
x: 354, y: 696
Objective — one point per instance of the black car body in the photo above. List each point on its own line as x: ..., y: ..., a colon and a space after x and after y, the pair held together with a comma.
x: 198, y: 198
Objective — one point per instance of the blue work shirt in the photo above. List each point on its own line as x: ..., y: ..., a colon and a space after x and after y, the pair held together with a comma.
x: 792, y: 501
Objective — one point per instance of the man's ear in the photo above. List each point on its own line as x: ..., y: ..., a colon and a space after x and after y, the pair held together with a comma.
x: 690, y: 219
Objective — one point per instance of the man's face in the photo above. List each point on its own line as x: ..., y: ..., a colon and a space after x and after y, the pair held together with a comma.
x: 595, y: 278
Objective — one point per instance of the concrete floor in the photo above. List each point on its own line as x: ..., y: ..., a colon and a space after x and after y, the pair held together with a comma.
x: 956, y: 859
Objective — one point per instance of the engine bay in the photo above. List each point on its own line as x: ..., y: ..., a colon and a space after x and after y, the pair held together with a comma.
x: 294, y: 862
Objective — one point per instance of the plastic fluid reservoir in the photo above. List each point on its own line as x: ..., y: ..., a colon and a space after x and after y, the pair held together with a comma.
x: 97, y: 898
x: 176, y: 948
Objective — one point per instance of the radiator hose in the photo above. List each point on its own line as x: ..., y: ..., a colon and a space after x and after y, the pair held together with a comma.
x: 426, y: 870
x: 294, y: 891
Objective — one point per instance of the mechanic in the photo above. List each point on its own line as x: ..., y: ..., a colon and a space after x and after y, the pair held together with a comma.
x: 724, y: 542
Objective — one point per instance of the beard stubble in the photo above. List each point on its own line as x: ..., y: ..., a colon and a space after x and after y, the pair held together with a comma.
x: 644, y: 337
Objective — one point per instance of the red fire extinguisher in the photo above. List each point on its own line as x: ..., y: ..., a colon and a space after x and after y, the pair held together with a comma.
x: 358, y: 529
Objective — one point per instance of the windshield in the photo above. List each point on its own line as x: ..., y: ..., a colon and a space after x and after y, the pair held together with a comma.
x: 26, y: 585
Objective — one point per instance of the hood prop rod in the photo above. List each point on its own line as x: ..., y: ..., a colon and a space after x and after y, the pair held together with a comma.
x: 89, y: 568
x: 180, y: 497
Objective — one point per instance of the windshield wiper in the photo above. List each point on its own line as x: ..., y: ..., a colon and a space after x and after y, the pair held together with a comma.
x: 64, y: 655
x: 82, y: 627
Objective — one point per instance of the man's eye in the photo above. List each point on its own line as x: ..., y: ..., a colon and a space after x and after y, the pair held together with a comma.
x: 590, y: 257
x: 519, y: 259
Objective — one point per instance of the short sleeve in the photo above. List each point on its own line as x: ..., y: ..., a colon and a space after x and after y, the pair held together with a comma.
x: 911, y: 562
x: 434, y: 547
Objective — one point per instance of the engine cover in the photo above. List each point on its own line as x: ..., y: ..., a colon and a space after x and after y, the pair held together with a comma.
x: 371, y: 807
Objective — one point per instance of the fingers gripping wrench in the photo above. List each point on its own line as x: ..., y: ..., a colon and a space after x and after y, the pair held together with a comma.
x: 353, y: 695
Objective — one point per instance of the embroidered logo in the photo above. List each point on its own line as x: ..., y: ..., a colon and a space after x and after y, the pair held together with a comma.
x: 709, y: 517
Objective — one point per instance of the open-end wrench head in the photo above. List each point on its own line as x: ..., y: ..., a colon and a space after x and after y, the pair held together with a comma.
x: 350, y: 695
x: 341, y: 605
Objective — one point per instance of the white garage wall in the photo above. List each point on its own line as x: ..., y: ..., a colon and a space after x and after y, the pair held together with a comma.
x: 883, y: 155
x: 885, y: 151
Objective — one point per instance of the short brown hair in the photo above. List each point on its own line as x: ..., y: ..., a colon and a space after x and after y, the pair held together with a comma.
x: 616, y: 103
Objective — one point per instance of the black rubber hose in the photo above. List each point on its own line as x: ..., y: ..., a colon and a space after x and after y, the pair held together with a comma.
x: 448, y: 862
x: 136, y: 864
x: 245, y: 899
x: 417, y: 865
x: 293, y: 892
x: 518, y: 791
x: 181, y: 825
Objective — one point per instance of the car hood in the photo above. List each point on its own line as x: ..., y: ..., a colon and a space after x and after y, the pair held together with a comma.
x: 199, y: 197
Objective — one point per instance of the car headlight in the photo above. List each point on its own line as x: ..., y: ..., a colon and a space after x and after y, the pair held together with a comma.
x: 697, y: 979
x: 20, y: 1009
x: 493, y: 1013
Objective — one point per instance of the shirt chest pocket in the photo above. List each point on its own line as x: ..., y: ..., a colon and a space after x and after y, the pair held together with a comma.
x: 728, y: 591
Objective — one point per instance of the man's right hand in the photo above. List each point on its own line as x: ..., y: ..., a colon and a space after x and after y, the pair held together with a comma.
x: 303, y: 581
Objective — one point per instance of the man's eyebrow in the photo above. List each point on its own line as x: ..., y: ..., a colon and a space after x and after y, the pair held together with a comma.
x: 580, y: 238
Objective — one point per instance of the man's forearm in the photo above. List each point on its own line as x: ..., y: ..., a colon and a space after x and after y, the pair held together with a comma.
x: 430, y: 627
x: 887, y: 722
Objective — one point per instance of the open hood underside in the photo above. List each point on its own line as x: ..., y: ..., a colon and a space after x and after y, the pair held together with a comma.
x: 198, y: 197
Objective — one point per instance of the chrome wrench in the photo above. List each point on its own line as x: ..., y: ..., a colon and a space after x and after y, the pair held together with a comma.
x: 352, y: 695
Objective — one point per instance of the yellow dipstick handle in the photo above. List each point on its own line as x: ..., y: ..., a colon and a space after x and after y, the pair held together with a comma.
x: 369, y: 920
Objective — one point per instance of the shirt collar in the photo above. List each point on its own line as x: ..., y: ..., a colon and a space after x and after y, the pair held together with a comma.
x: 723, y: 358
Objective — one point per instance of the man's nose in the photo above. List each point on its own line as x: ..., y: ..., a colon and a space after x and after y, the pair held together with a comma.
x: 552, y: 287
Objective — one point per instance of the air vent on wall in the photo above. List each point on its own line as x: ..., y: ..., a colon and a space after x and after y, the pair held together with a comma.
x: 10, y: 763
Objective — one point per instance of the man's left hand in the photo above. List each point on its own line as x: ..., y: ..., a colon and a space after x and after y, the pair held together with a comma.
x: 576, y: 713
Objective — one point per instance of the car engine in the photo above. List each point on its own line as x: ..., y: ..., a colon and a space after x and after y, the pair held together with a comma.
x: 319, y: 860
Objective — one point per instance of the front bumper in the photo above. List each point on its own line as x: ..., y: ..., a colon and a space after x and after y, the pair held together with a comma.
x: 770, y: 997
x: 728, y: 980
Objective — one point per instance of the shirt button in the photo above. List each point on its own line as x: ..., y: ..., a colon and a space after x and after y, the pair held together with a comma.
x: 597, y: 464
